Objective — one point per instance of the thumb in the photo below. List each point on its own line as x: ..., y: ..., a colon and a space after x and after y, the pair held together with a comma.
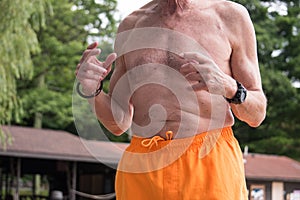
x: 109, y: 60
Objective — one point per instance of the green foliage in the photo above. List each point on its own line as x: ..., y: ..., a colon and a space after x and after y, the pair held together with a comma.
x: 18, y: 41
x: 289, y: 28
x: 98, y: 15
x: 62, y: 41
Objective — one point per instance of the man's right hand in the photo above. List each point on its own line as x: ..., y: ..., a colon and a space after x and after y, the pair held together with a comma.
x: 90, y: 71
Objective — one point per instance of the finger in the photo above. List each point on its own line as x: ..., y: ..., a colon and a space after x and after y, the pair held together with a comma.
x: 109, y: 60
x: 77, y: 69
x: 88, y: 53
x: 193, y: 77
x: 93, y: 52
x: 89, y: 76
x: 90, y: 47
x: 199, y: 86
x: 94, y: 68
x: 187, y: 69
x: 93, y: 45
x: 195, y: 57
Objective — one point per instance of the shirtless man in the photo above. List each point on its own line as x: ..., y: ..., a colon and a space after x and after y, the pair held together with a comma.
x: 225, y: 79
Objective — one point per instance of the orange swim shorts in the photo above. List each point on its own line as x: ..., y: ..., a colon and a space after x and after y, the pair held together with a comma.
x: 208, y: 166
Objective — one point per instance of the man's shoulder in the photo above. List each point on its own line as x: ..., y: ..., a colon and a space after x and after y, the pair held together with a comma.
x: 230, y: 7
x: 233, y: 14
x: 236, y: 21
x: 232, y: 10
x: 130, y: 21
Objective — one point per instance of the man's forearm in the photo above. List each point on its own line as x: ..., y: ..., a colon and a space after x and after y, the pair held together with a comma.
x: 253, y: 110
x: 113, y: 116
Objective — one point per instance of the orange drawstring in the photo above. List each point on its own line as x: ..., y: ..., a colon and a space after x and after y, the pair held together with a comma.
x: 169, y: 135
x: 151, y: 141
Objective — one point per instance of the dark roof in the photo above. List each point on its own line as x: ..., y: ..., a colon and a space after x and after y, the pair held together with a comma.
x: 271, y: 167
x: 59, y: 145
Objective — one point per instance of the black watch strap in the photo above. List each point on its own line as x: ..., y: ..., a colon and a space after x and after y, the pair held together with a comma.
x: 240, y: 95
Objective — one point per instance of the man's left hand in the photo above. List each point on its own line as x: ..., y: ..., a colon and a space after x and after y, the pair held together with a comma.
x: 204, y: 74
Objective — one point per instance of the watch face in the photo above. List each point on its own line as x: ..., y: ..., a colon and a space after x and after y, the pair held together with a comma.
x: 243, y: 96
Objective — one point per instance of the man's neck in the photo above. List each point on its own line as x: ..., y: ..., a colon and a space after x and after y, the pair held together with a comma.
x: 173, y: 6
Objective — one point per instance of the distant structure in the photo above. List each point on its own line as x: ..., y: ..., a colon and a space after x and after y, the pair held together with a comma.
x: 72, y: 168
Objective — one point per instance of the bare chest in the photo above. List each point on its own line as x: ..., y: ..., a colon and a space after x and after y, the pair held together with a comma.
x: 157, y: 39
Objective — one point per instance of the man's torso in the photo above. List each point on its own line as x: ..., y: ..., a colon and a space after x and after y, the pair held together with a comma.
x: 158, y: 106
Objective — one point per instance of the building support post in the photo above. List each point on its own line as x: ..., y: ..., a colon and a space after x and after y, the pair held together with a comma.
x: 74, y: 178
x: 6, y: 185
x: 18, y: 177
x: 1, y: 183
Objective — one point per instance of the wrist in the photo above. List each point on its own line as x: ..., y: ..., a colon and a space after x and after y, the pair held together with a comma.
x: 90, y: 95
x: 240, y: 95
x: 230, y: 88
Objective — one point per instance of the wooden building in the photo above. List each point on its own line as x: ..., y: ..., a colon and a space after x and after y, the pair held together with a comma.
x: 272, y: 177
x: 68, y: 163
x: 82, y: 168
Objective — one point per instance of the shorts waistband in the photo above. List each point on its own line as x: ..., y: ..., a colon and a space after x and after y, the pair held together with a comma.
x: 158, y: 142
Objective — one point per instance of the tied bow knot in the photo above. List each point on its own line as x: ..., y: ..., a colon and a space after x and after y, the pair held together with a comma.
x: 154, y: 140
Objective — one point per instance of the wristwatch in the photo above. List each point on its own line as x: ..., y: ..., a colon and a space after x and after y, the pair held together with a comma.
x: 240, y: 95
